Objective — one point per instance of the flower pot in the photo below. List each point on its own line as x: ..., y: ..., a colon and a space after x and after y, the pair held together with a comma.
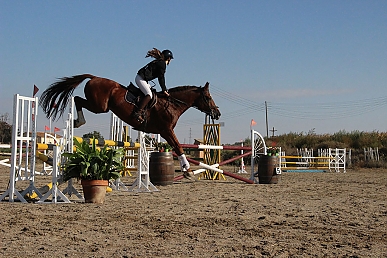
x: 94, y: 191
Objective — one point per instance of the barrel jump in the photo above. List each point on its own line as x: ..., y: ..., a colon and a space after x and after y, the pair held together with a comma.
x: 214, y: 167
x: 257, y: 148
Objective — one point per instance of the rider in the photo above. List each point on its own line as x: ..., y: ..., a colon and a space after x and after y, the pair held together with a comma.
x: 153, y: 70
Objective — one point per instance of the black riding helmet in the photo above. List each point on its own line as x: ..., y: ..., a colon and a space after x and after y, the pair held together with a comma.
x: 167, y: 54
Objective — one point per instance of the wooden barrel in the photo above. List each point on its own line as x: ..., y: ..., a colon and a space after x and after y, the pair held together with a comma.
x: 161, y: 168
x: 267, y: 169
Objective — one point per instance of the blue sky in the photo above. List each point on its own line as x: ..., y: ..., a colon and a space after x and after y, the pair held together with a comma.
x: 320, y: 65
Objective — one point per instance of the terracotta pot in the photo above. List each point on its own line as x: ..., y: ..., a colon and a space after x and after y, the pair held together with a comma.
x: 94, y: 191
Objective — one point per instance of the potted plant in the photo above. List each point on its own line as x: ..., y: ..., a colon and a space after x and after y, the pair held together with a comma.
x: 94, y: 166
x: 163, y: 147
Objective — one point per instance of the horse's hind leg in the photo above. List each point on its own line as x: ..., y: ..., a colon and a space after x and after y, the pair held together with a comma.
x: 83, y: 103
x: 79, y: 104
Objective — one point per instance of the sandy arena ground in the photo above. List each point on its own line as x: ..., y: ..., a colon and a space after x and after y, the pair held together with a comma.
x: 304, y: 215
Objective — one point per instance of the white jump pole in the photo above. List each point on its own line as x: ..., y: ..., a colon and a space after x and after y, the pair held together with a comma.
x: 116, y: 134
x: 258, y: 147
x: 25, y: 112
x: 57, y: 195
x: 242, y: 169
x: 68, y: 142
x: 143, y: 183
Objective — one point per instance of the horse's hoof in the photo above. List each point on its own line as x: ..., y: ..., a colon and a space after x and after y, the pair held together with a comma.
x: 189, y: 175
x: 78, y: 124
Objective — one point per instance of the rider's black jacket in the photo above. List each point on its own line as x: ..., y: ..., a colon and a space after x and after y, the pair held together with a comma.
x: 153, y: 70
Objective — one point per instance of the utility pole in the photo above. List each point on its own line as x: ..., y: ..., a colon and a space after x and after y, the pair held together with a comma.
x: 267, y: 122
x: 273, y: 130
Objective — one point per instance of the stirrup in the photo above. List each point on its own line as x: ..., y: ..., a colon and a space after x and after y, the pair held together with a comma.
x: 139, y: 115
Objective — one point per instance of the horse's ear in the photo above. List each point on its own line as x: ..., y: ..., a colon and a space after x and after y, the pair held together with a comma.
x: 206, y: 86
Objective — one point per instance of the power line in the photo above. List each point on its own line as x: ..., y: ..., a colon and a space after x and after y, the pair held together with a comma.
x: 313, y: 111
x: 318, y: 111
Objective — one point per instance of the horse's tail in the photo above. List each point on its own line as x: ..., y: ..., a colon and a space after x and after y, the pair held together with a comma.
x: 61, y: 90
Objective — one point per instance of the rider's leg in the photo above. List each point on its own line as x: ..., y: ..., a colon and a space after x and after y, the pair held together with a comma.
x: 143, y: 85
x: 145, y: 88
x: 140, y: 111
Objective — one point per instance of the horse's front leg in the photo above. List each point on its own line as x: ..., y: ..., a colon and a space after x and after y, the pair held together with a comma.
x: 79, y: 104
x: 171, y: 138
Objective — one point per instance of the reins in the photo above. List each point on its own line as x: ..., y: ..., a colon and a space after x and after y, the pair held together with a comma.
x: 172, y: 99
x: 178, y: 101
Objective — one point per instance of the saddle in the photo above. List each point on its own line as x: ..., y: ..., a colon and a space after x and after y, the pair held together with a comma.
x: 133, y: 95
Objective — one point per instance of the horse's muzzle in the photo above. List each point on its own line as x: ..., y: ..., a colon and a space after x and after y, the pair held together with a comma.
x: 215, y: 114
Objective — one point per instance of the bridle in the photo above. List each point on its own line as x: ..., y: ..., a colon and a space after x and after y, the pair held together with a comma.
x: 210, y: 112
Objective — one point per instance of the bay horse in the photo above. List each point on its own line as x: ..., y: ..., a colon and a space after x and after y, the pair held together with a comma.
x: 102, y: 95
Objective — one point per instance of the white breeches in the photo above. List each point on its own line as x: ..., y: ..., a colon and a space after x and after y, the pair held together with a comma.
x: 143, y: 85
x: 183, y: 162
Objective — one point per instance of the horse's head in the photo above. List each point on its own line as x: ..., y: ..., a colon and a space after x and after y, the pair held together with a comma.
x: 206, y: 104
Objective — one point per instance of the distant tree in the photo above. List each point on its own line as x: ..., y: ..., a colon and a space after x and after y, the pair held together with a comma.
x: 5, y: 129
x: 95, y: 134
x: 4, y: 117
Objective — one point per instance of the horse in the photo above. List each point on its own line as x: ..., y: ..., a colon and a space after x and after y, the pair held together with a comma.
x: 102, y: 95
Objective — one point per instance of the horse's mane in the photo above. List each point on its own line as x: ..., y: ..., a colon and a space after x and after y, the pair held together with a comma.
x: 182, y: 88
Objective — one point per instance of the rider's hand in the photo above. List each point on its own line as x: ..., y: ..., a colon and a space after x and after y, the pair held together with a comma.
x: 166, y: 93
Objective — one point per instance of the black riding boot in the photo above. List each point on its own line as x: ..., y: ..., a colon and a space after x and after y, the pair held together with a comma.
x: 140, y: 113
